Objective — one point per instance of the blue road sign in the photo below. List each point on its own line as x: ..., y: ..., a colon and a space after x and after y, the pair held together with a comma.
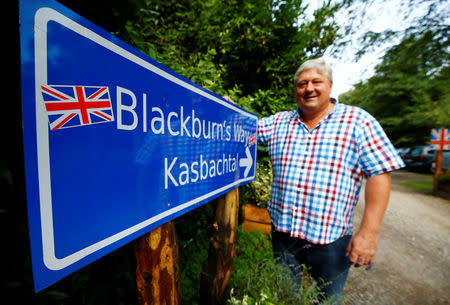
x: 115, y: 143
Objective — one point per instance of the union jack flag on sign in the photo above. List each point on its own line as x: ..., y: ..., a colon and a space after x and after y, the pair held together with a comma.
x: 252, y: 140
x: 71, y: 106
x: 440, y: 139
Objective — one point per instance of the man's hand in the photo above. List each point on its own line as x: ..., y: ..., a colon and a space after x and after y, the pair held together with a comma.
x: 226, y: 97
x: 363, y: 246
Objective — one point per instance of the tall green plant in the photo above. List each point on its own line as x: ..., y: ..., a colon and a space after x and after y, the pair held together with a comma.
x: 258, y: 279
x: 409, y: 92
x: 248, y: 49
x: 258, y: 191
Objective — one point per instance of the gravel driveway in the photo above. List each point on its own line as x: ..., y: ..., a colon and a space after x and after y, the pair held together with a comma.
x: 412, y: 262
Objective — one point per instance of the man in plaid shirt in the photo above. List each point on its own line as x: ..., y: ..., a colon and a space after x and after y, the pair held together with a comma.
x: 320, y: 154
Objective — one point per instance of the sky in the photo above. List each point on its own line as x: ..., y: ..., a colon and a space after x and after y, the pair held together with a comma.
x: 346, y: 70
x: 381, y: 15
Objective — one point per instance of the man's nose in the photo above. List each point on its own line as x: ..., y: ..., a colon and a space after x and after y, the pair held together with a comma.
x: 309, y: 87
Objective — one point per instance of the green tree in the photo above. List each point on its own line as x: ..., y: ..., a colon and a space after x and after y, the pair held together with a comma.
x: 409, y: 91
x: 248, y: 49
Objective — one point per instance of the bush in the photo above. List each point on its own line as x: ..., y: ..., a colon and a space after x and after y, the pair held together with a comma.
x: 444, y: 177
x: 193, y: 234
x: 258, y: 279
x: 258, y: 191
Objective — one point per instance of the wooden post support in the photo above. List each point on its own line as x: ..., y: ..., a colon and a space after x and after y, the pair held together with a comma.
x: 157, y: 269
x: 217, y: 269
x: 437, y: 170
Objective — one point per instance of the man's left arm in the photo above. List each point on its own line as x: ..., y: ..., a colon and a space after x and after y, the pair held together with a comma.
x: 363, y: 245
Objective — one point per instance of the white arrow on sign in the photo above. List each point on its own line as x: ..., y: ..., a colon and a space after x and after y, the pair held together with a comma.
x: 246, y: 162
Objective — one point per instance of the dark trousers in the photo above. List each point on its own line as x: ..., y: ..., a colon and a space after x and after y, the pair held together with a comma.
x: 327, y: 264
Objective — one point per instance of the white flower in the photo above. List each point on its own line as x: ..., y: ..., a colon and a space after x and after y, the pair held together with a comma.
x: 263, y: 296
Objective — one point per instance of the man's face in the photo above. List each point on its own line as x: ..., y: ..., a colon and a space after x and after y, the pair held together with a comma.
x: 312, y: 91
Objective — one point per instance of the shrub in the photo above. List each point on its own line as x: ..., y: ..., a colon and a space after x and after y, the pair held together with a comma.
x: 444, y: 177
x: 258, y: 279
x: 193, y: 234
x: 258, y: 191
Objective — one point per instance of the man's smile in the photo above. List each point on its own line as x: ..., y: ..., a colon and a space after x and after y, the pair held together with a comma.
x: 308, y: 97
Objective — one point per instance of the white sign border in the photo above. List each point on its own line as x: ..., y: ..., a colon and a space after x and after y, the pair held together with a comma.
x: 42, y: 17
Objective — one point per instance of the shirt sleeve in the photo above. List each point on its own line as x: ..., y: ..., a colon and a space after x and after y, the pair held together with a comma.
x: 377, y: 154
x: 265, y: 130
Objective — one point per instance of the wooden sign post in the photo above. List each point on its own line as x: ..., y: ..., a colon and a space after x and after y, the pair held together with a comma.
x: 157, y: 269
x: 217, y: 269
x: 440, y: 140
x: 437, y: 170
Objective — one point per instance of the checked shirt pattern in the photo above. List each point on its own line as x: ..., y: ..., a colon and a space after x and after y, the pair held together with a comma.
x: 317, y: 174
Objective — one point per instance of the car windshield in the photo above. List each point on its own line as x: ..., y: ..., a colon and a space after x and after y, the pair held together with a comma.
x: 416, y: 151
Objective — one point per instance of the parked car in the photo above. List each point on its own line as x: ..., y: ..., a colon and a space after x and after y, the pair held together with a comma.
x: 402, y: 151
x: 423, y: 158
x: 420, y: 158
x: 445, y: 161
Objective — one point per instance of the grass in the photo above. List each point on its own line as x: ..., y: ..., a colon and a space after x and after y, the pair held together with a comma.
x: 421, y: 186
x: 422, y: 183
x: 258, y: 279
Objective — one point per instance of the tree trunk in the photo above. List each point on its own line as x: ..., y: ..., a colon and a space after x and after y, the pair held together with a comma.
x: 157, y: 269
x: 217, y: 269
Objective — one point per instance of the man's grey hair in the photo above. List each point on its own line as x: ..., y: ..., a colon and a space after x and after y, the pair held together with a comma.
x: 315, y: 64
